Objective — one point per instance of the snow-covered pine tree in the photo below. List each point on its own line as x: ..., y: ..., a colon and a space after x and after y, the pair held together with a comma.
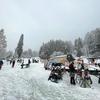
x: 3, y: 44
x: 19, y: 48
x: 79, y: 46
x: 9, y: 55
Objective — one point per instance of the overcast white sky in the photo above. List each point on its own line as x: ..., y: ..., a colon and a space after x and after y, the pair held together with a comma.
x: 42, y: 20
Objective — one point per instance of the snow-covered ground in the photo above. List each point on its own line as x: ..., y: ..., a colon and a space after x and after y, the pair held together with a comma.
x: 32, y: 84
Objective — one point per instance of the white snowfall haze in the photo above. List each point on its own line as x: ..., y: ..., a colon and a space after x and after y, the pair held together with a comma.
x: 32, y: 84
x: 47, y: 19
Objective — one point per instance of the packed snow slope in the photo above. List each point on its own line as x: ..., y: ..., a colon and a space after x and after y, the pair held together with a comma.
x: 32, y: 84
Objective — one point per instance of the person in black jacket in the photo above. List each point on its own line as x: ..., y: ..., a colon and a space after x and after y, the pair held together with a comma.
x: 29, y: 62
x: 13, y: 63
x: 72, y: 73
x: 1, y: 63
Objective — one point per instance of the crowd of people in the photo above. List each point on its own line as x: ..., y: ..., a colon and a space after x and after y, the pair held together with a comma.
x: 78, y: 73
x: 12, y: 62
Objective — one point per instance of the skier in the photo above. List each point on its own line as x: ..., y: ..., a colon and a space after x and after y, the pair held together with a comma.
x: 72, y: 73
x: 1, y: 63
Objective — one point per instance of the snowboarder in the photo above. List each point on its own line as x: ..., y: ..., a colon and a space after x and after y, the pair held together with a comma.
x: 1, y: 63
x: 72, y: 73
